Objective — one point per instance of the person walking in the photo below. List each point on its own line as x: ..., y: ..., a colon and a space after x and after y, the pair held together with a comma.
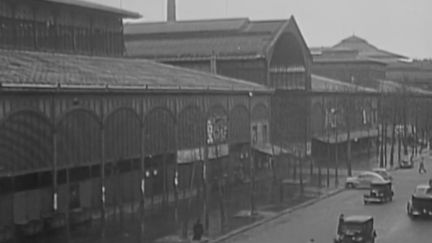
x: 422, y: 168
x: 340, y: 223
x: 198, y: 230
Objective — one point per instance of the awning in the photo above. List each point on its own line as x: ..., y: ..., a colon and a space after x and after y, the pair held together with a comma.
x: 270, y: 149
x: 343, y: 136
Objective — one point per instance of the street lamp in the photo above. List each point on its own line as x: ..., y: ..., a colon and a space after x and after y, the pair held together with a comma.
x: 334, y: 126
x: 251, y: 161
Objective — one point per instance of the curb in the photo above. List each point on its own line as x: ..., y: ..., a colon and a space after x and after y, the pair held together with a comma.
x: 266, y: 220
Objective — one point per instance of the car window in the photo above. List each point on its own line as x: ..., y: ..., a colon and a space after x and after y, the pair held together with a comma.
x: 423, y: 190
x: 351, y: 228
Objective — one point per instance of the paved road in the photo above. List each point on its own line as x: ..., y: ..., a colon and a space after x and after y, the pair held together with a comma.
x: 319, y: 220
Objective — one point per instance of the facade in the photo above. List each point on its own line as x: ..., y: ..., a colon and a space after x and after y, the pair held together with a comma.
x: 395, y: 102
x: 70, y: 127
x: 62, y: 26
x: 271, y: 53
x: 344, y: 120
x: 84, y: 137
x: 417, y: 73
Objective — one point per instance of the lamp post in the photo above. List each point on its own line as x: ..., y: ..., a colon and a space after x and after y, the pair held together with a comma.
x: 334, y: 112
x: 251, y: 160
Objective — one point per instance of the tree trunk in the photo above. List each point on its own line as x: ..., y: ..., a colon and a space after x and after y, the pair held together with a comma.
x: 349, y: 152
x: 380, y: 146
x: 392, y: 143
x: 385, y: 144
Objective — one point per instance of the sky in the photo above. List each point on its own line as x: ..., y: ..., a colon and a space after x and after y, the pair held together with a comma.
x: 399, y: 26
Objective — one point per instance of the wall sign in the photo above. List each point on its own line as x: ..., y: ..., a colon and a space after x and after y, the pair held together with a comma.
x: 217, y: 129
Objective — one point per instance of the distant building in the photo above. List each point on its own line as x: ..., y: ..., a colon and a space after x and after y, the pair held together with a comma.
x: 353, y: 60
x: 271, y: 53
x: 62, y: 26
x: 416, y: 73
x: 399, y: 96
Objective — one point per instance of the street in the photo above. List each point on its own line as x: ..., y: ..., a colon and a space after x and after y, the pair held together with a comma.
x: 319, y: 221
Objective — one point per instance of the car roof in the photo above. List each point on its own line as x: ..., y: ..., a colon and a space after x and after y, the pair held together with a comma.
x: 421, y: 191
x: 357, y: 218
x: 371, y: 173
x: 422, y: 186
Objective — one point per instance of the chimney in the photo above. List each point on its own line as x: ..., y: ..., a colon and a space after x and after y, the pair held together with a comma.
x: 171, y: 10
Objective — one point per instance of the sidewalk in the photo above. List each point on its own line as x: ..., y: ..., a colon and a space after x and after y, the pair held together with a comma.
x: 241, y: 220
x: 229, y: 211
x: 275, y: 200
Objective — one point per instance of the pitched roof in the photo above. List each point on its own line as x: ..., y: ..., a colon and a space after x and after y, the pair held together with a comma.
x: 40, y: 69
x: 389, y: 86
x: 346, y: 59
x: 245, y: 46
x: 197, y: 39
x: 354, y: 48
x: 364, y: 48
x: 324, y: 84
x: 95, y: 6
x: 184, y: 26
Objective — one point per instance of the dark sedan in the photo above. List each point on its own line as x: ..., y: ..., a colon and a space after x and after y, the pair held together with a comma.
x: 420, y: 202
x: 406, y: 164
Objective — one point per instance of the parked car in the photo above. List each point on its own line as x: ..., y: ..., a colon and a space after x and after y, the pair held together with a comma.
x: 356, y: 228
x: 379, y: 192
x: 363, y: 180
x: 384, y: 173
x: 420, y: 202
x: 406, y: 164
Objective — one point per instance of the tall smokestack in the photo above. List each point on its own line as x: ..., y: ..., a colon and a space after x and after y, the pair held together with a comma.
x: 171, y: 10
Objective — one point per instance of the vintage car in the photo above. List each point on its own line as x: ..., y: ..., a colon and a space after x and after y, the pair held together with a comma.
x: 379, y: 192
x: 384, y: 173
x: 355, y: 228
x: 420, y: 202
x: 363, y: 180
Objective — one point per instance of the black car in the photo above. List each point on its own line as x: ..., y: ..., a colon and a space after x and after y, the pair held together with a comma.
x: 379, y: 192
x: 356, y: 228
x: 406, y: 164
x: 420, y: 203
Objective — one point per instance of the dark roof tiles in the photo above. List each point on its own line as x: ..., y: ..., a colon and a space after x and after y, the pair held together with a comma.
x: 39, y: 68
x: 238, y: 45
x: 184, y: 26
x: 236, y: 38
x: 324, y: 84
x: 95, y: 6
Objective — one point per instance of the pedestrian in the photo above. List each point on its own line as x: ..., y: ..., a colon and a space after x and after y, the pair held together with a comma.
x: 340, y: 223
x: 422, y: 169
x: 198, y: 230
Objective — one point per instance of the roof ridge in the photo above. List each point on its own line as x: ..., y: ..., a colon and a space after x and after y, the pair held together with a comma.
x: 187, y: 21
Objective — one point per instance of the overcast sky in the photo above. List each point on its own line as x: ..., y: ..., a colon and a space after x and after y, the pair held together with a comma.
x: 400, y: 26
